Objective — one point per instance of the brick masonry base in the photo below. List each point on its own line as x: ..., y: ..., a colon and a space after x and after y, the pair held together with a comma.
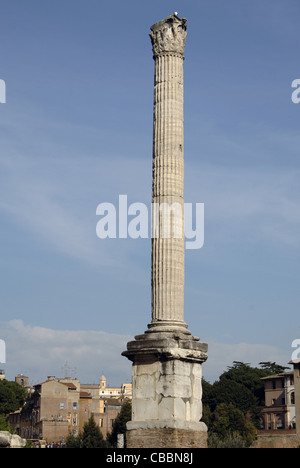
x: 165, y: 438
x: 277, y: 441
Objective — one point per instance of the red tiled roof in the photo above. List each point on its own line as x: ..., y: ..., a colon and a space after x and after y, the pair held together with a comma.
x: 85, y: 395
x: 69, y: 384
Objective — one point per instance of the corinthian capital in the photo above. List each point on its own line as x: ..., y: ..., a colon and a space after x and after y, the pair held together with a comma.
x: 169, y: 35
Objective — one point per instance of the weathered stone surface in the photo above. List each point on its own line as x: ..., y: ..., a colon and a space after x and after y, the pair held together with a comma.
x: 166, y: 345
x: 169, y: 35
x: 5, y: 439
x: 167, y: 390
x: 166, y: 437
x: 8, y: 440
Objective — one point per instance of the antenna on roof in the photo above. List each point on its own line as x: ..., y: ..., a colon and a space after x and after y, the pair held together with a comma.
x: 67, y: 371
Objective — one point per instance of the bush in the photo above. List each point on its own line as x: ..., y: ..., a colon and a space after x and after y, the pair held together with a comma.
x: 73, y: 442
x: 230, y: 441
x: 228, y: 425
x: 4, y: 424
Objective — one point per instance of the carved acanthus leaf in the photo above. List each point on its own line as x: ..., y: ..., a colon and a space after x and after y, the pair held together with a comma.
x: 169, y: 35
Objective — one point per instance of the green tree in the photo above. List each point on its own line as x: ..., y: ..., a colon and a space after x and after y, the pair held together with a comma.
x: 206, y: 389
x: 119, y: 425
x: 272, y: 367
x: 206, y: 415
x: 4, y: 424
x: 73, y: 442
x: 231, y: 392
x: 228, y: 421
x: 92, y: 436
x: 12, y: 396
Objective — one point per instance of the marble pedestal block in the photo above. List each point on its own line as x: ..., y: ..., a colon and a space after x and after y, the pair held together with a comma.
x: 167, y: 390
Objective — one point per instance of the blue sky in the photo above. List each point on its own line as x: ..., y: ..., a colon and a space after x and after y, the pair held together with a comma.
x: 76, y: 131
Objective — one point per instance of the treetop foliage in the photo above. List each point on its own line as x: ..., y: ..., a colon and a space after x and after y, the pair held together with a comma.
x: 12, y: 396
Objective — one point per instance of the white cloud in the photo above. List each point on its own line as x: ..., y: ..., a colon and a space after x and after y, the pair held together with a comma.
x: 38, y: 352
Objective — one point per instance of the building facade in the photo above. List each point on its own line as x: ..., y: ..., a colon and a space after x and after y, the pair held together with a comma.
x: 59, y: 407
x: 280, y: 408
x: 296, y: 365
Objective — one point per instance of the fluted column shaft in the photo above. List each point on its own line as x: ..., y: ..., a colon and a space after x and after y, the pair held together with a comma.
x: 167, y: 269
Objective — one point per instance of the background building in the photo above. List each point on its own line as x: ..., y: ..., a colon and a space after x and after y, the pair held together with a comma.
x: 281, y: 414
x: 57, y: 407
x: 279, y: 411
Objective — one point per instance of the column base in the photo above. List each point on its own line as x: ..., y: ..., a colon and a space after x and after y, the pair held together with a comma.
x: 166, y: 437
x: 168, y: 326
x: 167, y: 390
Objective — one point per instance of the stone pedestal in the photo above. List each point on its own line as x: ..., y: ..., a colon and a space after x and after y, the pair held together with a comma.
x: 167, y: 390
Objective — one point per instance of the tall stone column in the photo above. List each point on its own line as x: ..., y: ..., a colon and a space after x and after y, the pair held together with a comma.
x: 167, y: 359
x: 168, y: 40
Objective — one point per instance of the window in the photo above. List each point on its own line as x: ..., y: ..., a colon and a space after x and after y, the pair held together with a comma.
x: 292, y: 398
x: 75, y: 405
x: 274, y: 384
x: 62, y: 405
